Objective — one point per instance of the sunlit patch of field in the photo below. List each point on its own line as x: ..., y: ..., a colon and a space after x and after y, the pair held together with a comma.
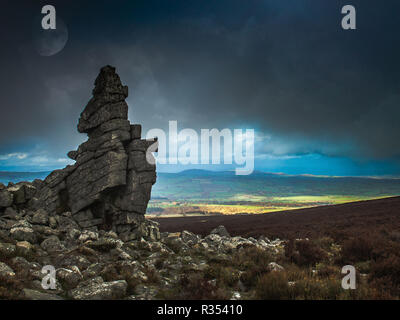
x: 213, y: 193
x: 243, y: 209
x: 326, y: 199
x: 246, y: 204
x: 248, y: 197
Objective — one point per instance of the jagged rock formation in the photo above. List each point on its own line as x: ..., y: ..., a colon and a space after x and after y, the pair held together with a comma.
x: 87, y: 221
x: 110, y: 183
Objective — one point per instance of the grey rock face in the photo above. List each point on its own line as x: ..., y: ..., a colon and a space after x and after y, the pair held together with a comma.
x: 111, y: 178
x: 24, y: 248
x: 221, y: 231
x: 22, y: 231
x: 70, y: 278
x: 22, y: 192
x: 189, y: 237
x: 40, y: 217
x: 7, y: 250
x: 273, y: 266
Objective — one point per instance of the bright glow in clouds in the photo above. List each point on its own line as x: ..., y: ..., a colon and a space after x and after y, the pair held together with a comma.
x: 36, y: 160
x: 17, y: 155
x: 183, y: 147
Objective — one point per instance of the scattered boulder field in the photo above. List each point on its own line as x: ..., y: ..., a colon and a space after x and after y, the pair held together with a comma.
x: 100, y: 265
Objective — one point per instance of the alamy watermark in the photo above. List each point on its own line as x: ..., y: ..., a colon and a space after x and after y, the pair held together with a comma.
x: 349, y: 280
x: 189, y: 147
x: 49, y: 280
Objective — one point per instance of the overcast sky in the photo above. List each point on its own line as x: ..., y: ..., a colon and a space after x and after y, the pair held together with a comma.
x: 321, y: 99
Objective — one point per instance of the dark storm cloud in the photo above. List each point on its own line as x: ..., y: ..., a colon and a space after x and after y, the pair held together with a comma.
x: 285, y: 68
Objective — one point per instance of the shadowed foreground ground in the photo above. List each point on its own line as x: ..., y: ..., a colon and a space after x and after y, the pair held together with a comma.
x: 337, y: 221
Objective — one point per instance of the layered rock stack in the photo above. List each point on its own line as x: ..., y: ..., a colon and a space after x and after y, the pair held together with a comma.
x: 110, y: 183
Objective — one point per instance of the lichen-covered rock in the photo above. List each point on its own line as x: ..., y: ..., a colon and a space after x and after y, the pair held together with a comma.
x: 7, y: 250
x: 70, y: 277
x: 18, y: 193
x: 88, y: 235
x: 68, y: 260
x: 52, y: 244
x: 189, y: 237
x: 10, y: 213
x: 40, y: 217
x: 66, y: 223
x: 22, y: 192
x: 273, y: 266
x: 221, y: 231
x: 93, y: 270
x: 6, y: 198
x: 105, y: 244
x: 6, y: 272
x: 99, y: 290
x: 22, y: 231
x: 24, y: 248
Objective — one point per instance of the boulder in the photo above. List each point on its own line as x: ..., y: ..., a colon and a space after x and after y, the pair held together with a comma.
x: 52, y: 244
x: 6, y: 272
x: 24, y: 249
x: 221, y: 231
x: 18, y: 193
x: 22, y: 231
x: 105, y: 244
x: 189, y: 237
x: 93, y: 271
x: 40, y: 217
x: 99, y: 290
x: 7, y: 250
x: 10, y: 213
x: 88, y: 235
x: 30, y: 294
x: 6, y: 198
x: 69, y: 278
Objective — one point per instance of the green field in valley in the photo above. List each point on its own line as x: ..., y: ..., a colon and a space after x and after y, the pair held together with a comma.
x: 206, y: 192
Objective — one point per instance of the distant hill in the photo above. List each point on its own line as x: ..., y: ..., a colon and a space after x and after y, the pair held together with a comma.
x: 344, y: 220
x: 202, y: 192
x: 203, y: 184
x: 6, y: 177
x: 225, y: 192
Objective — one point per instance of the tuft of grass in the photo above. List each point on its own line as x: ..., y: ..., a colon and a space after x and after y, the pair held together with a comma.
x: 253, y: 262
x: 273, y: 286
x: 304, y: 252
x: 152, y: 275
x: 225, y: 276
x: 385, y: 275
x: 194, y: 287
x: 356, y: 250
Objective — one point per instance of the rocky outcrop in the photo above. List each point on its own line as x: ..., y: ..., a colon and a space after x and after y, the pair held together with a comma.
x: 97, y: 265
x: 110, y: 183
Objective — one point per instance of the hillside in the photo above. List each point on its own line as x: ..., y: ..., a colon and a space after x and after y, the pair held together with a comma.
x: 338, y: 221
x: 195, y: 192
x: 201, y: 192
